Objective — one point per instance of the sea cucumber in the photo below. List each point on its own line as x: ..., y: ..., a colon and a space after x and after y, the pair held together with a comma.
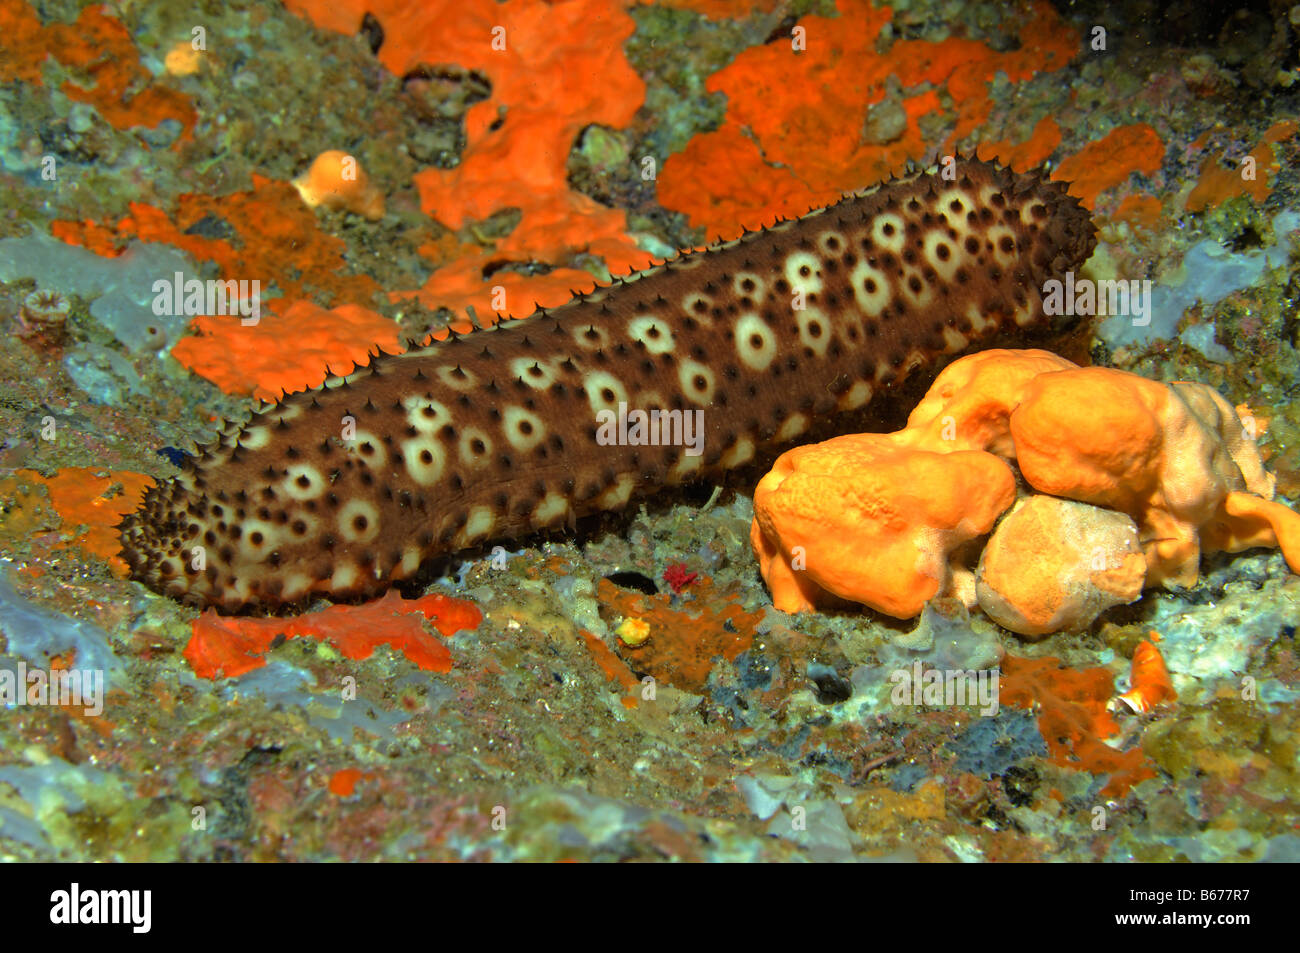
x: 347, y: 488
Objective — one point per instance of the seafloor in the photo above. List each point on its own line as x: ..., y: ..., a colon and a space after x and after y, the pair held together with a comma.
x: 126, y: 154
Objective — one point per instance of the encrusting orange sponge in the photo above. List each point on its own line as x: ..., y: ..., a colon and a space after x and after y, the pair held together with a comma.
x: 867, y: 520
x: 336, y: 180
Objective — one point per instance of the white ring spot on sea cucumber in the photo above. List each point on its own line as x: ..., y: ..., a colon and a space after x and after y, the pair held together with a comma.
x: 254, y: 438
x: 425, y: 414
x: 425, y: 459
x: 700, y: 307
x: 919, y: 296
x: 855, y: 397
x: 794, y: 425
x: 651, y: 331
x: 524, y: 429
x: 887, y: 232
x: 480, y: 523
x: 803, y: 270
x: 956, y: 213
x: 358, y: 521
x: 746, y: 284
x: 814, y: 329
x: 457, y: 378
x: 287, y: 412
x: 553, y: 508
x: 302, y: 482
x: 369, y: 448
x: 257, y: 538
x: 941, y: 254
x: 696, y: 380
x: 742, y: 451
x: 755, y: 342
x: 308, y: 524
x: 475, y: 447
x: 996, y: 234
x: 870, y: 288
x: 589, y: 337
x: 832, y: 244
x: 604, y: 391
x: 532, y: 372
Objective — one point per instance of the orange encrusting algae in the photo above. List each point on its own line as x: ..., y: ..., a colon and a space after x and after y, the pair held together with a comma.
x: 684, y: 643
x: 96, y: 44
x: 757, y: 165
x: 343, y: 782
x: 1073, y: 719
x: 91, y: 505
x: 613, y: 667
x: 315, y: 343
x: 1034, y: 151
x: 228, y: 646
x: 1140, y: 211
x: 1109, y: 161
x: 1250, y: 175
x: 276, y: 239
x: 555, y: 68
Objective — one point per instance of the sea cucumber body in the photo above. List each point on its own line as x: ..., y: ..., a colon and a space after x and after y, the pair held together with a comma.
x: 347, y: 488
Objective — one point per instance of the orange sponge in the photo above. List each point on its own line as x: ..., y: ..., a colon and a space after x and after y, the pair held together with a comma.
x: 1244, y: 521
x: 336, y: 180
x: 969, y: 405
x: 867, y: 520
x: 1168, y: 456
x: 881, y: 519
